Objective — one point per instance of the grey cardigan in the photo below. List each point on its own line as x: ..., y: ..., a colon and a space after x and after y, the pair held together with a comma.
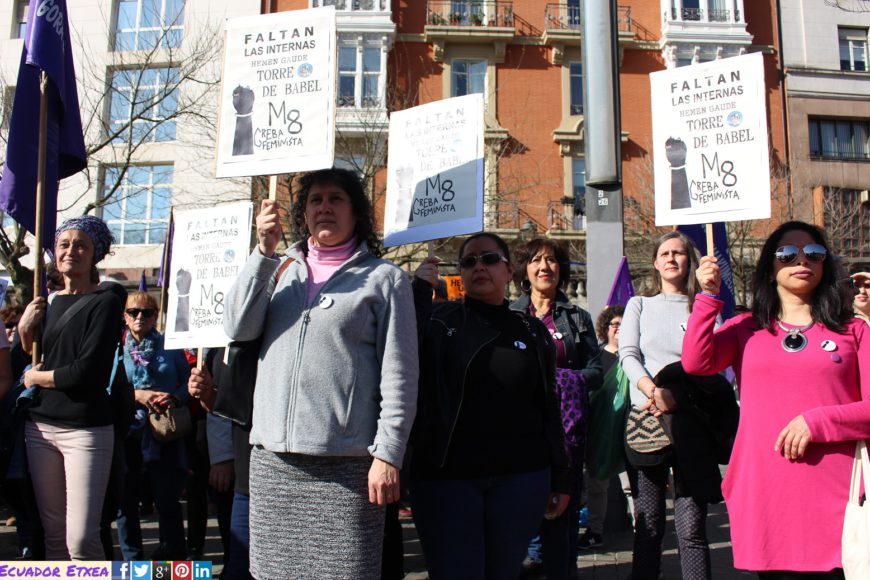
x: 337, y: 378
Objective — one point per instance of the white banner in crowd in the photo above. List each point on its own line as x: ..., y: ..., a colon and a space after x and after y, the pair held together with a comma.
x: 277, y: 107
x: 209, y: 248
x: 435, y: 171
x: 710, y: 142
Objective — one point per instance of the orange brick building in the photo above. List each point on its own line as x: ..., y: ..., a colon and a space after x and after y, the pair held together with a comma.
x: 525, y: 56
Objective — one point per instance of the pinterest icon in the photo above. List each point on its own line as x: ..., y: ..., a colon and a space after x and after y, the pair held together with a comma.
x: 181, y: 571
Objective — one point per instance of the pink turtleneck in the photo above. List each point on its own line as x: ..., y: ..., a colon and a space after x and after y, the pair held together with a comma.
x: 322, y: 262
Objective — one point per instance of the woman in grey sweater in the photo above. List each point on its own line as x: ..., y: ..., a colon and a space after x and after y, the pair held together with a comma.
x: 650, y: 338
x: 336, y: 384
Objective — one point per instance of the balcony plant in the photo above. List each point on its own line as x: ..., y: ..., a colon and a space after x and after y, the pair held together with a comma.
x: 476, y: 19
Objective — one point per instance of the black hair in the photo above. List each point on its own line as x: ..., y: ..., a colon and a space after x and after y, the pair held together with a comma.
x: 604, y: 319
x: 828, y: 306
x: 348, y: 182
x: 502, y: 245
x: 692, y: 285
x: 529, y: 250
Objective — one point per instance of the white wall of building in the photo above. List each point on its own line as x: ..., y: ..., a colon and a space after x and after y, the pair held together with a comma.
x: 91, y: 24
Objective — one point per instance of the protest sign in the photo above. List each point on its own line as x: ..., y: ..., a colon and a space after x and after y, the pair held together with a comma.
x: 710, y: 147
x: 277, y: 104
x: 435, y: 171
x: 209, y: 248
x: 455, y: 288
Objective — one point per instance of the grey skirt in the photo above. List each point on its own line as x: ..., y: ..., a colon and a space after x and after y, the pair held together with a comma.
x: 311, y: 518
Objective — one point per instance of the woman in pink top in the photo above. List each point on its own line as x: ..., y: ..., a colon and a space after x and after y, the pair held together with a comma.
x: 804, y: 378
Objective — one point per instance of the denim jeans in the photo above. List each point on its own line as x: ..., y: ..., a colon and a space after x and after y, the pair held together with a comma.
x: 478, y: 528
x: 167, y: 479
x: 556, y: 542
x: 237, y: 568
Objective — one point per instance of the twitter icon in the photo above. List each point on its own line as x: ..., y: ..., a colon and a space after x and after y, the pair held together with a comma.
x: 141, y: 570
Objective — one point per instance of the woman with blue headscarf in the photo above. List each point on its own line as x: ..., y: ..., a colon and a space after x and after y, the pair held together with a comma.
x: 69, y: 435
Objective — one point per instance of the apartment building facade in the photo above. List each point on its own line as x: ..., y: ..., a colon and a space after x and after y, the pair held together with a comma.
x: 827, y: 84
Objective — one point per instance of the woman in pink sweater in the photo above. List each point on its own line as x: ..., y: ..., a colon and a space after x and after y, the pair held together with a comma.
x: 804, y: 378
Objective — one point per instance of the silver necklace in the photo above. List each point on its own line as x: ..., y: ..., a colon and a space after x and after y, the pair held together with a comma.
x: 794, y: 340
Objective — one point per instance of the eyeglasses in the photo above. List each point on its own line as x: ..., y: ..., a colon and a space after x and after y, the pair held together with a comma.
x: 135, y: 312
x: 614, y: 324
x: 488, y: 259
x: 789, y: 253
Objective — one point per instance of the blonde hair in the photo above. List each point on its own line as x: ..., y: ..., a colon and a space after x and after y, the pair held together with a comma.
x: 139, y: 297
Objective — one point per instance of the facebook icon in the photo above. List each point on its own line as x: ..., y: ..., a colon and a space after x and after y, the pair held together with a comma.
x: 120, y: 570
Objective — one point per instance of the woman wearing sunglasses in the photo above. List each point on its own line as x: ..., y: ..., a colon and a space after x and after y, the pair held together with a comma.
x: 804, y: 378
x: 489, y: 458
x: 159, y: 378
x: 861, y: 305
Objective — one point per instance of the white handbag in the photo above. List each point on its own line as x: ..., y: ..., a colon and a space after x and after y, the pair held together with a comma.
x: 856, y: 524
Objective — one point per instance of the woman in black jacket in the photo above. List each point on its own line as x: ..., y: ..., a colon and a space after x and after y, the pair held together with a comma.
x: 489, y: 458
x: 542, y: 270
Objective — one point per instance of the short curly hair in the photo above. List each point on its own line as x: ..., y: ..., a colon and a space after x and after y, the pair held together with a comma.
x: 605, y: 318
x: 348, y: 182
x: 529, y: 250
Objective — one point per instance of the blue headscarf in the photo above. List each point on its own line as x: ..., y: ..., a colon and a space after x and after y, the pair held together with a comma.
x: 95, y: 228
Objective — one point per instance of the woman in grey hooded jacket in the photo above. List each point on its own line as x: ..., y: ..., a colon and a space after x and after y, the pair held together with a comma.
x: 336, y: 387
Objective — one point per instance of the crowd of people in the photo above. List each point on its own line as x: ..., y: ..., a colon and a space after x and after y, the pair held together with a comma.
x: 366, y: 387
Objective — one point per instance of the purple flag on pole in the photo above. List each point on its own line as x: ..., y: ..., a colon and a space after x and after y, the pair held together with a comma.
x: 698, y: 234
x: 143, y: 285
x: 46, y: 47
x: 167, y: 254
x: 622, y: 288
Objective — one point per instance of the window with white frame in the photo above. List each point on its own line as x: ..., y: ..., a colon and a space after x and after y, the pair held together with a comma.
x: 359, y: 76
x: 354, y: 5
x: 839, y: 139
x: 575, y: 13
x: 147, y: 24
x: 143, y: 105
x: 139, y: 201
x: 468, y: 77
x: 21, y: 8
x: 853, y: 49
x: 575, y: 72
x: 578, y: 187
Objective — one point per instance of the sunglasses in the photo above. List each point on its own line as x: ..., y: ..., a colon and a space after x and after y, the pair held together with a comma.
x: 488, y: 259
x: 789, y: 253
x: 135, y: 312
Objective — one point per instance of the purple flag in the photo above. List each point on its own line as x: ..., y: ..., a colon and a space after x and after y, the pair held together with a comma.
x: 46, y: 47
x: 143, y: 285
x: 167, y: 255
x: 698, y: 234
x: 622, y: 288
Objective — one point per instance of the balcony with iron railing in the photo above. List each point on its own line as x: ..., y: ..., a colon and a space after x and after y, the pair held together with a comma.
x: 563, y: 24
x: 354, y: 5
x: 700, y: 14
x: 469, y: 13
x: 562, y: 219
x: 469, y: 21
x: 707, y: 23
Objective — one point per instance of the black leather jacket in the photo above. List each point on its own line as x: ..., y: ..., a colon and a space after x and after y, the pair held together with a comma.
x: 451, y: 335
